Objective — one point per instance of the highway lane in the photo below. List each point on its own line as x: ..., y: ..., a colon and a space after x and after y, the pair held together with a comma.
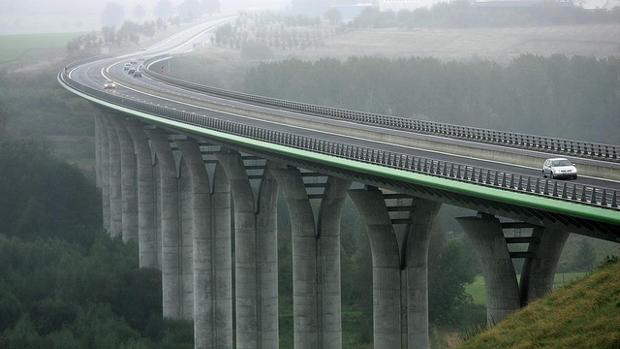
x: 153, y: 91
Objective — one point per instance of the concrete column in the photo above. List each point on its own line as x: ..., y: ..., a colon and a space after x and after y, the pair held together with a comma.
x: 485, y: 232
x: 423, y: 214
x: 186, y: 240
x: 116, y: 218
x: 305, y: 254
x: 330, y: 302
x: 221, y: 250
x: 98, y: 141
x: 386, y: 274
x: 255, y: 257
x: 316, y: 260
x: 148, y: 241
x: 539, y: 271
x: 105, y: 174
x: 170, y: 224
x: 211, y: 218
x: 129, y: 190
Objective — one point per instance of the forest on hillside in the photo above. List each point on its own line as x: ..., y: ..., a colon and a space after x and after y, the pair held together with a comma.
x: 569, y: 97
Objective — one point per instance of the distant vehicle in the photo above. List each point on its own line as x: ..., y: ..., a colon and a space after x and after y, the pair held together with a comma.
x: 126, y: 68
x: 558, y: 168
x: 137, y: 74
x: 132, y: 71
x: 109, y: 85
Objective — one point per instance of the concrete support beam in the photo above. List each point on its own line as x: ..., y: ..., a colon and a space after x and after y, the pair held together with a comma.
x: 212, y: 273
x: 485, y: 232
x: 148, y: 239
x: 256, y: 282
x: 400, y: 270
x: 98, y: 145
x: 316, y: 261
x: 330, y: 302
x: 115, y: 193
x: 538, y: 272
x: 129, y: 188
x: 386, y: 272
x: 171, y: 239
x: 105, y: 173
x: 423, y: 213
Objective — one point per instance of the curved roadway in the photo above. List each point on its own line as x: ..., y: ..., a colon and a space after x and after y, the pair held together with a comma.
x: 95, y: 74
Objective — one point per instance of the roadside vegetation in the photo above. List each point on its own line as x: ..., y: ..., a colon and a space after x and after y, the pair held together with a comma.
x: 462, y: 14
x: 568, y: 97
x: 63, y: 282
x: 584, y: 314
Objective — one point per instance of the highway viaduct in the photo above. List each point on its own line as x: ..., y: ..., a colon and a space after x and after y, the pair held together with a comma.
x: 192, y: 173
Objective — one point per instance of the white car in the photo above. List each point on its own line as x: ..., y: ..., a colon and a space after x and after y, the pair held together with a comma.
x: 558, y: 168
x: 109, y: 85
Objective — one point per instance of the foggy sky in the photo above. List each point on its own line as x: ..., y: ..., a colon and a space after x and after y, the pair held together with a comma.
x: 39, y: 16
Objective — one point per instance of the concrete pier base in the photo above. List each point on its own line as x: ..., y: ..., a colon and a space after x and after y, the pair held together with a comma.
x: 256, y: 268
x: 316, y: 260
x: 104, y: 154
x: 115, y: 191
x: 148, y: 240
x: 129, y: 189
x: 212, y: 274
x: 485, y: 232
x: 400, y: 270
x: 171, y: 231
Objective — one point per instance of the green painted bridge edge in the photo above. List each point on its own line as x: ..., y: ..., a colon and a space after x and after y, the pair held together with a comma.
x: 547, y: 204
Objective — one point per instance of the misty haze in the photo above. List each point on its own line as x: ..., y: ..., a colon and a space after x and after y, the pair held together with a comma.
x: 333, y: 174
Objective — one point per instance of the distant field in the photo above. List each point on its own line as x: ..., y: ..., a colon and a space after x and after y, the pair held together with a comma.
x: 27, y: 46
x: 477, y: 292
x: 498, y: 44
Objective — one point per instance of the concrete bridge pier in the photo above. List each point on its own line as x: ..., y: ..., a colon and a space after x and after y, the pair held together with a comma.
x: 316, y: 260
x: 148, y: 239
x: 212, y: 273
x: 129, y: 190
x: 503, y: 293
x: 176, y: 250
x: 104, y: 170
x: 400, y: 270
x: 98, y: 154
x: 115, y: 193
x: 256, y: 259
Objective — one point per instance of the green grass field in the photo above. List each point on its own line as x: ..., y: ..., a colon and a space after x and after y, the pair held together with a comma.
x: 477, y: 292
x: 27, y: 46
x: 584, y: 314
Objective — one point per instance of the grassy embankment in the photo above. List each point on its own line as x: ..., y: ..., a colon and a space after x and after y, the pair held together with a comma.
x: 584, y: 314
x: 28, y: 47
x: 476, y: 288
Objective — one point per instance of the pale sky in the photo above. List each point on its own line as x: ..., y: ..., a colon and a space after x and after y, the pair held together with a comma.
x: 39, y: 16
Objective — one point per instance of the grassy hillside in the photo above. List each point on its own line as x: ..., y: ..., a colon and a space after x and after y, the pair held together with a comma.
x: 30, y: 46
x: 585, y: 315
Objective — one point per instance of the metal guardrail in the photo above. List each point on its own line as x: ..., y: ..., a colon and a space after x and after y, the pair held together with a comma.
x: 560, y: 146
x: 577, y: 193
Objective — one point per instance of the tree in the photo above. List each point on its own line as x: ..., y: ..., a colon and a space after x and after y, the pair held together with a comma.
x: 333, y: 16
x: 164, y: 9
x: 211, y: 5
x: 4, y: 116
x: 113, y: 15
x: 189, y: 9
x: 139, y: 12
x: 585, y: 257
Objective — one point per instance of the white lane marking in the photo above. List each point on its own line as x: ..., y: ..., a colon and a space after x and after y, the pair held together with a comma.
x: 351, y: 137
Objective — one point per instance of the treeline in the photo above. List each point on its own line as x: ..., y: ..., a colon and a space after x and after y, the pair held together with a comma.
x: 128, y: 32
x: 462, y: 14
x: 577, y: 97
x: 258, y: 33
x: 64, y: 283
